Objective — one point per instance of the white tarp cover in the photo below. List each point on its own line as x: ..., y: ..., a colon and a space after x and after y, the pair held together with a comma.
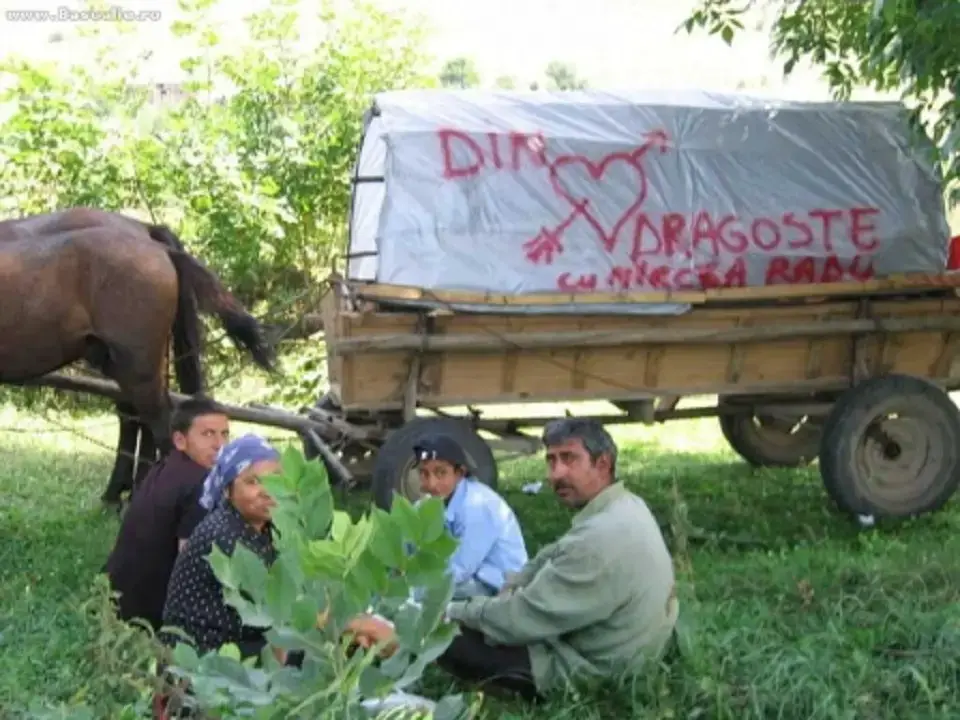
x: 526, y: 192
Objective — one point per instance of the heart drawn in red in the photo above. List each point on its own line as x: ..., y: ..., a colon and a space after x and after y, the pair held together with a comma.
x: 596, y: 170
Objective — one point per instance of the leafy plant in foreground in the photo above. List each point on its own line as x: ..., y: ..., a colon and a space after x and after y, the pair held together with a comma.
x: 329, y: 568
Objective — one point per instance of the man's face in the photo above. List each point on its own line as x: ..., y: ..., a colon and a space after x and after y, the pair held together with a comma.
x: 249, y: 496
x: 203, y: 440
x: 575, y: 478
x: 438, y: 478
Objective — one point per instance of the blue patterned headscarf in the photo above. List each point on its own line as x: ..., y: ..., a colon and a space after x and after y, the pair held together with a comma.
x: 233, y: 459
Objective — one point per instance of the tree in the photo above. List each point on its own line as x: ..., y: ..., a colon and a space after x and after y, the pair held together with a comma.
x: 505, y: 82
x: 563, y: 76
x: 888, y: 45
x: 459, y: 72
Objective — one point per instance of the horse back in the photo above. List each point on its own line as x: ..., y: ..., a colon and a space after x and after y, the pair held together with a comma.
x: 86, y: 252
x: 79, y: 218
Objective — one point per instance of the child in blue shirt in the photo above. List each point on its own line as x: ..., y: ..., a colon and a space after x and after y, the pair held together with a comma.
x: 490, y: 544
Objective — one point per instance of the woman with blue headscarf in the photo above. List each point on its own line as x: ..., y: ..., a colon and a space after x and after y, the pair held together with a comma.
x: 239, y: 511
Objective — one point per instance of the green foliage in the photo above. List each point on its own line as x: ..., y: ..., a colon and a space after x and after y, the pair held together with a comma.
x: 122, y: 659
x: 328, y: 564
x: 459, y: 72
x: 251, y: 169
x: 888, y: 45
x: 563, y: 76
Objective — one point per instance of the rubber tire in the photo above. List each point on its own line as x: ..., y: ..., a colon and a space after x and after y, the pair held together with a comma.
x: 849, y: 418
x: 397, y: 452
x: 739, y: 432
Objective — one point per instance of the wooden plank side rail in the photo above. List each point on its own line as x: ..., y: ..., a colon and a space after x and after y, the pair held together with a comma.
x: 890, y: 284
x: 491, y: 342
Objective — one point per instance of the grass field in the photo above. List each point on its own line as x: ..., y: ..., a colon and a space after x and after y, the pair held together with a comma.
x: 788, y: 610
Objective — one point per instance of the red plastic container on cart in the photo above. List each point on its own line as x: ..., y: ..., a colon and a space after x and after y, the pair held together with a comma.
x: 953, y: 254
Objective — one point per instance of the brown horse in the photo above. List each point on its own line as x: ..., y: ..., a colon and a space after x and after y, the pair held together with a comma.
x: 84, y: 284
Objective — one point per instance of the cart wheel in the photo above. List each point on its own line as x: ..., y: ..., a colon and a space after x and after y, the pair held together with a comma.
x: 891, y: 448
x: 393, y: 469
x: 768, y: 441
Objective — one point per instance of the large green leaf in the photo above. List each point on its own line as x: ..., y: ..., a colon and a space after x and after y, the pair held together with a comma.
x: 406, y: 519
x: 386, y: 540
x: 322, y: 559
x: 282, y: 588
x: 249, y: 571
x: 432, y: 519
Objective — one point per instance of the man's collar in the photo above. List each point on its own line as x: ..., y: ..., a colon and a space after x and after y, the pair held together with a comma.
x: 455, y: 499
x: 614, y: 491
x: 180, y: 456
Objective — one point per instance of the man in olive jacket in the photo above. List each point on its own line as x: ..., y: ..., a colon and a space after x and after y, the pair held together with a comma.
x: 599, y: 601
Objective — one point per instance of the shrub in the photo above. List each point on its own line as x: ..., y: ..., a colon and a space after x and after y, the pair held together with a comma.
x: 330, y: 565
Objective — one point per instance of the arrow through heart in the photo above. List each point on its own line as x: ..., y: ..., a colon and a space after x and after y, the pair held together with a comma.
x: 606, y: 193
x: 617, y: 190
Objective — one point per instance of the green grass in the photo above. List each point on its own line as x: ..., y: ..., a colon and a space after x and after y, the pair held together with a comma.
x: 788, y: 609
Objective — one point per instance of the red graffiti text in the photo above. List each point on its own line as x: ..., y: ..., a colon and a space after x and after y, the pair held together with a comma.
x: 703, y: 234
x: 660, y: 275
x: 465, y: 155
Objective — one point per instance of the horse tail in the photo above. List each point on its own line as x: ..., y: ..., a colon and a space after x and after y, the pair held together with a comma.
x: 187, y: 363
x: 207, y: 293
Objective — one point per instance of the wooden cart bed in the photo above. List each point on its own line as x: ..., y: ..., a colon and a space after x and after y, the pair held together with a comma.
x: 732, y: 341
x: 855, y: 375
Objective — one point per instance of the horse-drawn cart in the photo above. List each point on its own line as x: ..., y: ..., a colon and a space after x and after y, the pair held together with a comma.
x: 787, y: 258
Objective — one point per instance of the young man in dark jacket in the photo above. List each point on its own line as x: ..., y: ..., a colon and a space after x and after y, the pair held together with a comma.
x: 164, y: 510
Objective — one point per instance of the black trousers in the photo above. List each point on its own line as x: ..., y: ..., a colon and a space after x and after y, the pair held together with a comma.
x: 507, y: 667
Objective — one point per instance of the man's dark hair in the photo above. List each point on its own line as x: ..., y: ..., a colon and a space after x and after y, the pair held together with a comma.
x: 591, y: 433
x: 190, y: 409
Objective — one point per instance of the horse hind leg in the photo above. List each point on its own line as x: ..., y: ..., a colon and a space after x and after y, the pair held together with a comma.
x: 147, y: 394
x: 146, y: 410
x: 97, y: 356
x: 132, y: 462
x: 122, y: 475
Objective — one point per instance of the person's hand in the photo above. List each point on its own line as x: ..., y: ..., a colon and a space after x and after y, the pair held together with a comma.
x: 367, y: 631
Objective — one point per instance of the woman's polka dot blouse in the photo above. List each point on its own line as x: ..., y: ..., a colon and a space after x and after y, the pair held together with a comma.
x: 194, y: 596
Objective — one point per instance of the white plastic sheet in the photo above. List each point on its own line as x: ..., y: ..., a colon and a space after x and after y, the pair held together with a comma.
x: 527, y: 192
